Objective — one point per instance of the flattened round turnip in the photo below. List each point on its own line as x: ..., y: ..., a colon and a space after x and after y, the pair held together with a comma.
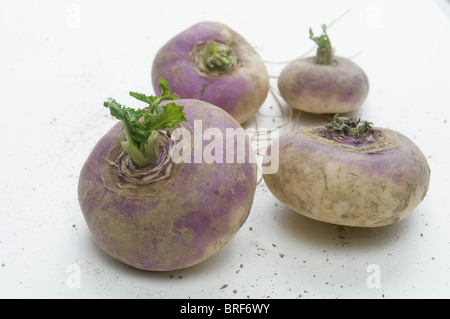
x: 168, y: 215
x: 338, y: 87
x: 364, y: 177
x: 213, y: 63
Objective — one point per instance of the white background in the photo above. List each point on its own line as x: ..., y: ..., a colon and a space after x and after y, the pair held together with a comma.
x: 59, y: 60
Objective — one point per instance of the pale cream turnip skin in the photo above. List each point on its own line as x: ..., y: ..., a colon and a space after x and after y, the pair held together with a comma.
x: 240, y: 88
x: 338, y: 87
x: 175, y: 222
x: 337, y: 181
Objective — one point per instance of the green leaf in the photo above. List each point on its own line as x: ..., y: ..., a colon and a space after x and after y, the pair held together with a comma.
x: 315, y: 39
x: 172, y: 115
x: 322, y: 41
x: 115, y: 108
x: 143, y: 97
x: 166, y: 90
x: 325, y: 51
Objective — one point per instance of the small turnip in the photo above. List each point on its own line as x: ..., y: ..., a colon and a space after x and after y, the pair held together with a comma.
x: 325, y: 83
x: 213, y: 63
x: 350, y: 173
x: 154, y: 213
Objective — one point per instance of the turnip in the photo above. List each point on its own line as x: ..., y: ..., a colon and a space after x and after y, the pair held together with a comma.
x: 211, y: 62
x: 154, y: 213
x: 325, y: 83
x: 349, y: 173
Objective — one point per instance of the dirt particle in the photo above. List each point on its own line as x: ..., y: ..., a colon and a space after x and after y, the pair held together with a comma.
x: 250, y: 228
x: 282, y: 255
x: 264, y: 251
x: 224, y: 286
x: 234, y: 291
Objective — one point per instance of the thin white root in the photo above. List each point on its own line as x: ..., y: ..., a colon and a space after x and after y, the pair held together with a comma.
x: 261, y: 178
x: 338, y: 18
x: 355, y: 55
x: 297, y: 118
x: 283, y: 115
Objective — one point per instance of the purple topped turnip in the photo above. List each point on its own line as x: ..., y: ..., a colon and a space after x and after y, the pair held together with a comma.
x: 325, y: 83
x: 150, y: 211
x: 211, y: 62
x: 350, y: 173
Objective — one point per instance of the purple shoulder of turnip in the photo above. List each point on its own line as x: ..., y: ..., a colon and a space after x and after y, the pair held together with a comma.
x: 154, y: 213
x: 213, y: 63
x: 350, y: 173
x: 324, y: 83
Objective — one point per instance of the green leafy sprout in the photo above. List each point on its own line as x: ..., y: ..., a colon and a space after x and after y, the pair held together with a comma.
x: 343, y: 126
x: 142, y: 126
x: 325, y: 51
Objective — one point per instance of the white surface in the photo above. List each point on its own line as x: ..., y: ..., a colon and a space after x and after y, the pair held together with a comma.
x: 59, y: 60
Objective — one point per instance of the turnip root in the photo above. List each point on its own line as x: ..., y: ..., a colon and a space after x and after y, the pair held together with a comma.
x: 211, y: 62
x: 151, y: 212
x: 350, y: 173
x: 324, y: 83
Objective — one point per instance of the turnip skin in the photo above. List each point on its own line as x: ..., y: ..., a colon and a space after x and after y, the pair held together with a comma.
x: 369, y: 186
x: 173, y: 223
x: 339, y: 87
x: 241, y: 91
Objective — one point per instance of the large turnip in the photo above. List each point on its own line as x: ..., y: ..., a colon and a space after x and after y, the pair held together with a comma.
x: 154, y: 213
x: 325, y: 83
x: 213, y: 63
x: 350, y: 173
